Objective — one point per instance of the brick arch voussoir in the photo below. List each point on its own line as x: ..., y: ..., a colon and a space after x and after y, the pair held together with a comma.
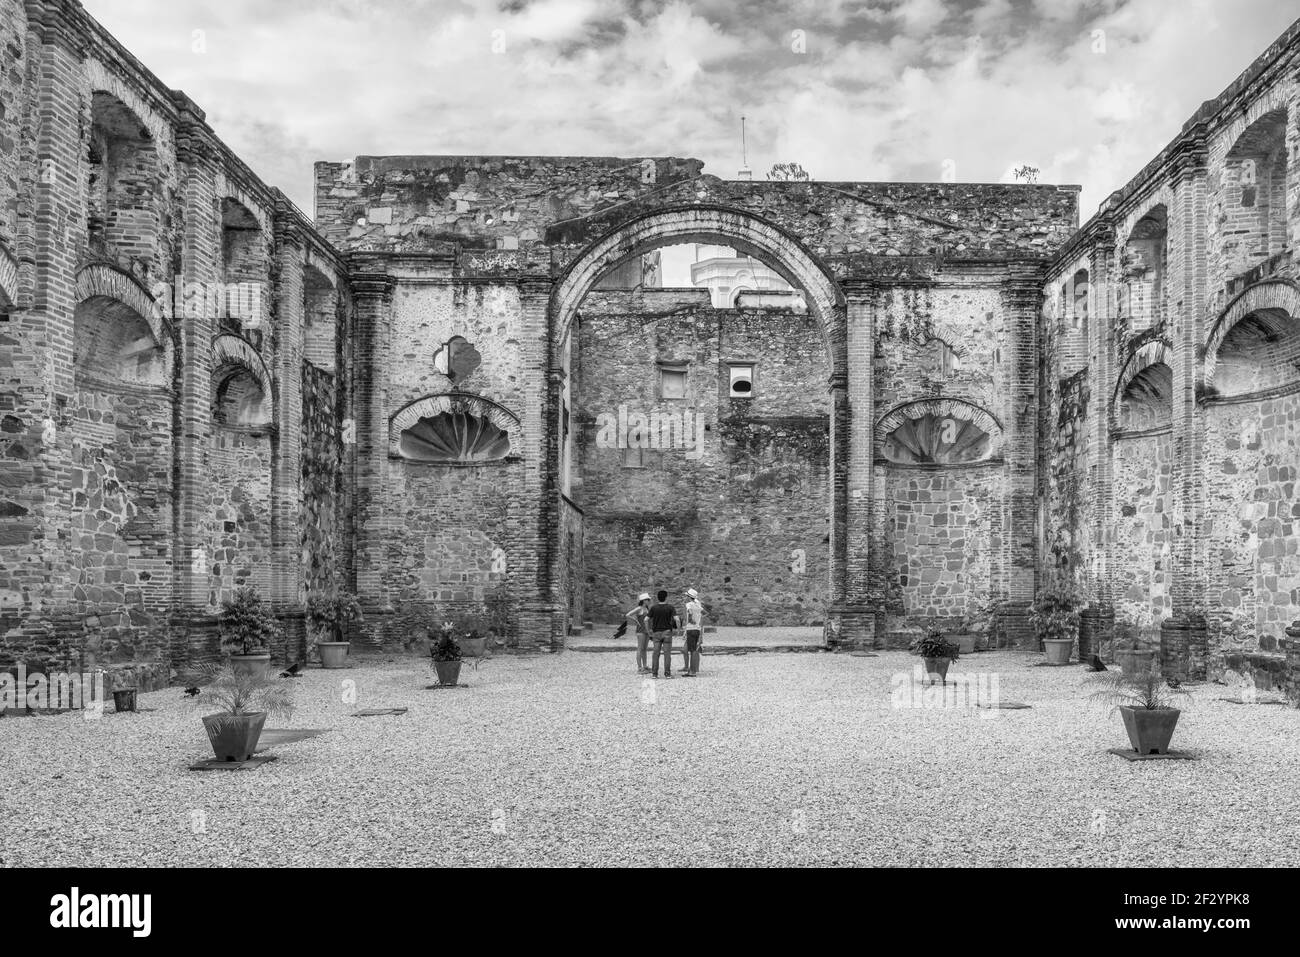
x: 99, y: 281
x: 431, y: 406
x: 1152, y: 353
x: 234, y: 351
x: 738, y: 228
x: 1278, y: 295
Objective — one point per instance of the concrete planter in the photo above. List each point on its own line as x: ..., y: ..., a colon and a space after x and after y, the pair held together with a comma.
x: 448, y: 672
x: 965, y: 643
x: 334, y: 654
x: 251, y: 665
x: 124, y: 699
x: 234, y: 737
x: 938, y: 668
x: 1149, y: 731
x: 1057, y: 650
x: 473, y: 647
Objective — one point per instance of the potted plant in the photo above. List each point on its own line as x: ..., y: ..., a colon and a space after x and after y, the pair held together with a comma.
x: 447, y: 659
x: 1146, y: 705
x: 329, y: 613
x: 1055, y: 619
x: 242, y: 701
x: 247, y: 628
x: 938, y: 653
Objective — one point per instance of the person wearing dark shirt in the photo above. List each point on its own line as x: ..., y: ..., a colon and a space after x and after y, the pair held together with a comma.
x: 663, y: 622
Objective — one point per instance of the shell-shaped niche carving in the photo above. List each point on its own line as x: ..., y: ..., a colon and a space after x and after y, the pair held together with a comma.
x: 937, y: 440
x: 454, y: 437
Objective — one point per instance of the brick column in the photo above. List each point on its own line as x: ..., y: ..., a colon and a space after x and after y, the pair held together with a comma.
x: 372, y: 296
x: 1022, y: 303
x: 42, y: 353
x: 1183, y: 644
x: 200, y: 263
x: 855, y: 594
x: 541, y: 622
x: 1097, y: 628
x: 286, y: 464
x: 286, y: 492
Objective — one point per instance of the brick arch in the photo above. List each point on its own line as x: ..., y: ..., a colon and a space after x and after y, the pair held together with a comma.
x: 101, y: 281
x: 948, y: 408
x: 721, y: 225
x: 789, y: 258
x: 1276, y: 299
x: 228, y: 351
x: 431, y: 406
x: 1155, y: 352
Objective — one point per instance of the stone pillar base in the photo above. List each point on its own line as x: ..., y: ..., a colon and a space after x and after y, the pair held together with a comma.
x: 1012, y: 629
x: 376, y: 627
x: 1183, y: 648
x: 850, y: 627
x: 541, y: 627
x: 1291, y: 645
x: 292, y: 648
x: 1097, y: 633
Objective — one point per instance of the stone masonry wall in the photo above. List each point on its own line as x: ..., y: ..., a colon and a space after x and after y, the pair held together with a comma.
x: 746, y: 522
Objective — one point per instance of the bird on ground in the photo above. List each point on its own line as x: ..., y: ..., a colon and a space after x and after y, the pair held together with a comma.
x: 294, y: 672
x: 1094, y: 664
x: 192, y: 692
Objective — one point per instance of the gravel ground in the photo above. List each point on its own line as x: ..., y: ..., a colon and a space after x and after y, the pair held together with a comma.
x: 574, y: 760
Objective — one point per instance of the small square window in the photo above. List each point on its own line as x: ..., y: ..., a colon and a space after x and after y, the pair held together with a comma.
x: 742, y: 380
x: 672, y: 383
x: 634, y: 459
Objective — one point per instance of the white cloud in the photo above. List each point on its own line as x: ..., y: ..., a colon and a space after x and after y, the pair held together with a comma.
x: 884, y: 91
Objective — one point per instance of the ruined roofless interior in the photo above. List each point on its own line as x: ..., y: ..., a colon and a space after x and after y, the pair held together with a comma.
x: 459, y: 390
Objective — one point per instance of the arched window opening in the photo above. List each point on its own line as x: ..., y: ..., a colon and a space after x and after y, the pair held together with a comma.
x: 1254, y: 209
x: 238, y: 399
x: 1147, y: 402
x: 114, y: 345
x: 454, y: 437
x: 122, y: 218
x: 1145, y: 264
x: 245, y: 265
x: 1259, y: 353
x: 320, y: 320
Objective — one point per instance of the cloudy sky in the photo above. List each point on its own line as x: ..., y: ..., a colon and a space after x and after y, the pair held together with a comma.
x: 851, y: 89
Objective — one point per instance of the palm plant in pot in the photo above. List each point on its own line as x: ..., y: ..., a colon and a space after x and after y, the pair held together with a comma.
x: 241, y: 701
x: 1146, y: 704
x: 447, y: 657
x: 329, y: 613
x: 247, y: 629
x: 1055, y: 619
x: 939, y: 653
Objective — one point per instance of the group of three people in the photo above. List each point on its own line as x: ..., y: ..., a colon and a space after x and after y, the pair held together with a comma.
x: 657, y: 623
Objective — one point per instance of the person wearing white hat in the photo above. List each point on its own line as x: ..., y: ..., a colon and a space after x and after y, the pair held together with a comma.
x: 641, y: 616
x: 694, y: 633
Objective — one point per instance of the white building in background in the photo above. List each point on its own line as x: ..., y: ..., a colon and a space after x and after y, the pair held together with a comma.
x: 728, y: 276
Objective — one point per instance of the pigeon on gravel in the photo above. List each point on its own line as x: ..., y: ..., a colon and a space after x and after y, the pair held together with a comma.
x: 294, y: 672
x: 192, y: 692
x: 1094, y: 664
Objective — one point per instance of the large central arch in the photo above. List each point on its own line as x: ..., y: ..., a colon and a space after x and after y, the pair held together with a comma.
x: 749, y: 234
x: 719, y: 225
